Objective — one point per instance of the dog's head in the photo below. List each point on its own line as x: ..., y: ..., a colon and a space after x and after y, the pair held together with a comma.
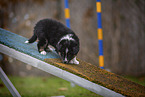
x: 67, y: 50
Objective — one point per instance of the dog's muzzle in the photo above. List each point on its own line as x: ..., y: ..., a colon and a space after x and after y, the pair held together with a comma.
x: 66, y: 62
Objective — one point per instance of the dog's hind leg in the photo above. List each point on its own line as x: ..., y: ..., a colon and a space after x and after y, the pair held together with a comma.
x: 42, y: 44
x: 46, y: 48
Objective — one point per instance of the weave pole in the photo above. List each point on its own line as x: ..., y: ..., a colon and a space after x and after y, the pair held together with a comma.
x: 67, y: 13
x: 67, y: 18
x: 100, y: 33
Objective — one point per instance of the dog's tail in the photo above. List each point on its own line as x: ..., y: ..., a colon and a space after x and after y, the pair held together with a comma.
x: 32, y: 39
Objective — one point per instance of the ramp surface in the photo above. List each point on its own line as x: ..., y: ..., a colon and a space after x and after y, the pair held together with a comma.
x: 102, y: 77
x: 15, y: 41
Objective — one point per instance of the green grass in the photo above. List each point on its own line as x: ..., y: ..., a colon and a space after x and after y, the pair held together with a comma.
x: 44, y: 87
x: 139, y: 80
x: 47, y: 87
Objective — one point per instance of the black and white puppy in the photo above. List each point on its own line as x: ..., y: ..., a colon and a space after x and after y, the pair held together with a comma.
x: 64, y: 40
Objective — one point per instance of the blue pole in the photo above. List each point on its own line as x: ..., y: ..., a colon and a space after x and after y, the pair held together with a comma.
x: 67, y: 13
x: 100, y: 33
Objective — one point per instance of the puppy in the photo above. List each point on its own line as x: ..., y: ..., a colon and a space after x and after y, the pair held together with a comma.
x: 64, y: 40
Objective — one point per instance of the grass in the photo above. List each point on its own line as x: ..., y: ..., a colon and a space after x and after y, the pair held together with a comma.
x: 53, y: 86
x: 44, y: 87
x: 139, y: 80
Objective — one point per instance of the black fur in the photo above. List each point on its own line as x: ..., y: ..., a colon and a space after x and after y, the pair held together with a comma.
x: 49, y: 32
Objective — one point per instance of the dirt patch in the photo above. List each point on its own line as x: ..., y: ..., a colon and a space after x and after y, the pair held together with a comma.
x: 101, y: 77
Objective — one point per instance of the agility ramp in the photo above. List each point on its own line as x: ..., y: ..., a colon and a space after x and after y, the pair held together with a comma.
x: 85, y: 75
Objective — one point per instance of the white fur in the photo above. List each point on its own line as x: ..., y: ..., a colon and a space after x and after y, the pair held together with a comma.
x: 27, y: 41
x: 65, y: 59
x: 66, y: 54
x: 66, y: 37
x: 51, y: 49
x: 74, y: 61
x: 43, y: 52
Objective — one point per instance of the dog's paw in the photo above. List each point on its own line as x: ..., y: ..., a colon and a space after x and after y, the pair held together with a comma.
x: 76, y: 62
x: 43, y: 52
x: 27, y: 41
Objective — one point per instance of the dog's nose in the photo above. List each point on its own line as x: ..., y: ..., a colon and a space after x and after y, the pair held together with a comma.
x: 66, y: 62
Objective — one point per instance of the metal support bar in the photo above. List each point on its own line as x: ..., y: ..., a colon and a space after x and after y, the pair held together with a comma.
x: 8, y: 84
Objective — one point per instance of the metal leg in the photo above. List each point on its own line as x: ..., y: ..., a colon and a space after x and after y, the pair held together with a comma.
x: 8, y: 84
